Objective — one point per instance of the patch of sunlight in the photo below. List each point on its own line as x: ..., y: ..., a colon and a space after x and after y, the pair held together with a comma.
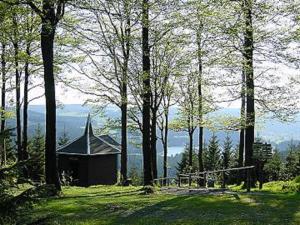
x: 250, y: 201
x: 297, y: 217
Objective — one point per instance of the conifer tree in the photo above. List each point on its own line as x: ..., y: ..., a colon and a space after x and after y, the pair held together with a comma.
x: 213, y: 157
x: 227, y: 152
x: 184, y: 165
x: 291, y: 164
x: 273, y: 167
x: 36, y: 169
x: 63, y: 139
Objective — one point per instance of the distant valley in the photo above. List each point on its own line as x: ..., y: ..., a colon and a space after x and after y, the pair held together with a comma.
x: 72, y: 118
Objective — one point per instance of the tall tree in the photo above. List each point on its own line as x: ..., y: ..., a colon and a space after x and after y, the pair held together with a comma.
x: 187, y: 119
x: 31, y: 33
x: 249, y: 74
x: 111, y: 37
x: 147, y: 156
x: 3, y: 100
x: 50, y: 13
x: 15, y: 39
x: 242, y: 127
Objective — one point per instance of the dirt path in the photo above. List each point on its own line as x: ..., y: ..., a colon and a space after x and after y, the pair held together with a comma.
x: 195, y: 191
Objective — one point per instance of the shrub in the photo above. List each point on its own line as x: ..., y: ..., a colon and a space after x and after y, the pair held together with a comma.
x: 297, y: 180
x: 148, y: 189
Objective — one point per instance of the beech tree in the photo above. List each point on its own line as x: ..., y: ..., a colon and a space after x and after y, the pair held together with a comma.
x: 146, y: 96
x: 50, y: 12
x: 187, y: 118
x: 111, y: 38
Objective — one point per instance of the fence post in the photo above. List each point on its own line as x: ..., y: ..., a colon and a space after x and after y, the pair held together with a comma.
x: 223, y: 179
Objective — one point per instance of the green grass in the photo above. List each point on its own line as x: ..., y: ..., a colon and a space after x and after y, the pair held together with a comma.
x: 127, y: 205
x: 274, y: 187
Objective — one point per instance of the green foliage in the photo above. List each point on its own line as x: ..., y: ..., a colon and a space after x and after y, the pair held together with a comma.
x: 63, y: 139
x: 297, y: 180
x: 213, y: 154
x: 291, y: 165
x: 183, y: 165
x: 135, y: 177
x: 227, y: 152
x: 274, y: 167
x: 36, y: 151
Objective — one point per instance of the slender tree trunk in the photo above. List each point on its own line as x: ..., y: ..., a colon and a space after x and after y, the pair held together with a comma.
x: 190, y: 155
x: 200, y: 107
x: 18, y: 102
x: 250, y: 104
x: 47, y: 42
x: 124, y: 139
x: 25, y: 107
x: 165, y: 144
x: 125, y: 98
x: 3, y: 102
x: 148, y: 179
x: 153, y: 143
x: 242, y: 129
x: 191, y: 149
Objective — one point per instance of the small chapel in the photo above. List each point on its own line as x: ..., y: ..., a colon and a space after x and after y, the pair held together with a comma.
x: 89, y: 159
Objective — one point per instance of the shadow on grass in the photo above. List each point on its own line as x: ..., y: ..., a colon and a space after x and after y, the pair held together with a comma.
x: 226, y: 209
x: 131, y: 208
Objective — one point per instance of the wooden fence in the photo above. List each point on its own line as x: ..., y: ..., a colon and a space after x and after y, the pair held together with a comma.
x: 203, y: 175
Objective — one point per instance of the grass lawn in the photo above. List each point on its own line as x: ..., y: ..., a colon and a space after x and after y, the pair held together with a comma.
x: 126, y: 205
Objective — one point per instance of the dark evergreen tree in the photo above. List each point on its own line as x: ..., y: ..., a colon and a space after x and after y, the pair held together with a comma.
x: 184, y: 165
x: 227, y: 151
x: 63, y: 139
x: 292, y: 161
x: 273, y: 167
x: 213, y: 157
x: 36, y: 169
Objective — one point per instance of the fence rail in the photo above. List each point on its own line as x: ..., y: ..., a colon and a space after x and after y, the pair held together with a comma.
x: 166, y: 181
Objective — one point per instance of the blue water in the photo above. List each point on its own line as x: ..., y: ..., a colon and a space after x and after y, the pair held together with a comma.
x: 175, y: 150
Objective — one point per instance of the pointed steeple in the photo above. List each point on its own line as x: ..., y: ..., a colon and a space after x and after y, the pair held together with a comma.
x: 89, y: 144
x: 88, y: 126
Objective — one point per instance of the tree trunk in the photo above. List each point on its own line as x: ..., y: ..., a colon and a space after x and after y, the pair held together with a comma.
x: 18, y: 102
x: 153, y: 143
x: 165, y: 145
x: 242, y: 129
x: 47, y: 41
x: 148, y: 179
x: 124, y: 140
x: 190, y: 155
x: 190, y: 150
x: 200, y: 108
x: 248, y: 63
x: 3, y: 103
x: 25, y: 107
x: 124, y: 97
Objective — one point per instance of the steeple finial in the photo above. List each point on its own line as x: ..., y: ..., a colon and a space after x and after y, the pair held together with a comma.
x: 88, y: 126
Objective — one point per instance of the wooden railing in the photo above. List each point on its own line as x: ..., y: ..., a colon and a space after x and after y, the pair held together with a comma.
x: 166, y: 181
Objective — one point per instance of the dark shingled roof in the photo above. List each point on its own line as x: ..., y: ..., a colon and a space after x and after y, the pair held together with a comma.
x: 89, y: 144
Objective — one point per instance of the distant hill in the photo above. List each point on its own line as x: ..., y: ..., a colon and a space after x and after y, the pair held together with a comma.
x: 72, y: 118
